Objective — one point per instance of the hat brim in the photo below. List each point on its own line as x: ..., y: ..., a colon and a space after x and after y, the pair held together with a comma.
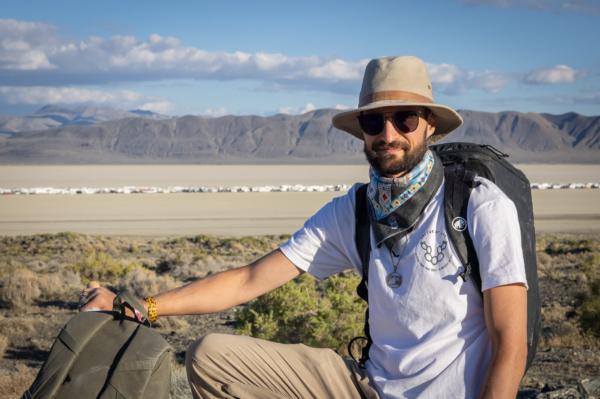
x: 446, y: 118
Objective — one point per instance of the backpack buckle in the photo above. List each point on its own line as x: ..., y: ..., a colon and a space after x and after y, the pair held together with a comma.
x: 466, y: 272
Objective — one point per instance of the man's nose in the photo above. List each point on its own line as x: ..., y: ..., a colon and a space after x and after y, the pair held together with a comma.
x: 389, y: 133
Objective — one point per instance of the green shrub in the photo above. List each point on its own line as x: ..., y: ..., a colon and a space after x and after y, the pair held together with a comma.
x: 102, y: 267
x: 591, y: 265
x: 568, y: 246
x: 245, y: 247
x: 322, y: 314
x: 589, y: 310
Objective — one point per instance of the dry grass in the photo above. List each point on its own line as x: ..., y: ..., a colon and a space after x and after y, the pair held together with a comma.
x: 40, y: 277
x: 144, y: 282
x: 14, y: 382
x: 20, y: 288
x: 3, y: 344
x: 180, y: 389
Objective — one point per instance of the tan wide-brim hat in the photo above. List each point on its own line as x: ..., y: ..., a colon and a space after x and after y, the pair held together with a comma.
x: 393, y: 82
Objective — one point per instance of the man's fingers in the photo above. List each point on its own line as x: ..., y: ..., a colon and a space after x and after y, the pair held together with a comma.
x: 93, y: 284
x: 87, y: 295
x: 87, y: 301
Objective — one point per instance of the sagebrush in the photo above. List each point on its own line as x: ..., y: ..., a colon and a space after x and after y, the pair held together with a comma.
x: 322, y: 314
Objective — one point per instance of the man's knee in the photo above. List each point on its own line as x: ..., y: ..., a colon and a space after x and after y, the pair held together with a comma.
x: 203, y: 361
x: 206, y: 347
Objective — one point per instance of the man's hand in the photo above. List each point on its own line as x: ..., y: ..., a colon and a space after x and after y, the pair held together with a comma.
x: 505, y: 309
x: 95, y: 297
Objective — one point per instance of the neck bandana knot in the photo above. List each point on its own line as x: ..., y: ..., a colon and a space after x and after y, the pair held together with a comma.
x: 397, y: 203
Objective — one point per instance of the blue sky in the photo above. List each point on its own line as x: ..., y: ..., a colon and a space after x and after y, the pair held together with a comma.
x: 263, y: 57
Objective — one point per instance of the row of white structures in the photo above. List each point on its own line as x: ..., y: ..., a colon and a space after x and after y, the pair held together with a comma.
x: 233, y: 189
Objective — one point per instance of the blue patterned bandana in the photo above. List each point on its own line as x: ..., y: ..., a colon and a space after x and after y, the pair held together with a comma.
x: 395, y: 205
x: 388, y: 194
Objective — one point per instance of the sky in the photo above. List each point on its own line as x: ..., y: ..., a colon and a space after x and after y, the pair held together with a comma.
x: 265, y: 57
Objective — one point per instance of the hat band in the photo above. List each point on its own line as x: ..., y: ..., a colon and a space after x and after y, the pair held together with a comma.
x: 406, y: 96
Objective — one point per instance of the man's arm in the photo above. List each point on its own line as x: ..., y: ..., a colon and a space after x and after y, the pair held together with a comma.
x: 216, y: 292
x: 505, y: 310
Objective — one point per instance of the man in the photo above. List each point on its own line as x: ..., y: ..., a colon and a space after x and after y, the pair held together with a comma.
x: 434, y: 335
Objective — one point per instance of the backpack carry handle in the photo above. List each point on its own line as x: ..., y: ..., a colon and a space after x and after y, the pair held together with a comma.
x: 126, y: 300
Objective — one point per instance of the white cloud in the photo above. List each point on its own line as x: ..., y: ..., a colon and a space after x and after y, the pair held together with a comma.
x: 36, y: 48
x: 452, y: 79
x: 308, y: 107
x: 33, y: 52
x: 161, y: 107
x: 580, y: 6
x: 23, y: 45
x: 62, y: 95
x: 342, y: 107
x: 584, y: 7
x: 39, y: 95
x: 338, y: 69
x: 554, y: 75
x: 538, y: 4
x: 444, y: 73
x: 490, y: 81
x: 587, y: 98
x: 214, y: 112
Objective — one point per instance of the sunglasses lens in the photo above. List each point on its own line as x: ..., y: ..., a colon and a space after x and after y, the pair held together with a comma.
x: 371, y: 124
x: 406, y: 121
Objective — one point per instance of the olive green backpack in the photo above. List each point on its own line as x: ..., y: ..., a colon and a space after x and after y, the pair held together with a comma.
x: 106, y: 355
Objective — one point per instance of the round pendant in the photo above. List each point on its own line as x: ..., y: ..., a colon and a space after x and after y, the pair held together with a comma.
x: 394, y: 280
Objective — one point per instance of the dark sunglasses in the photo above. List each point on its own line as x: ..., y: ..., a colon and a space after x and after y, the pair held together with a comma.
x: 405, y: 121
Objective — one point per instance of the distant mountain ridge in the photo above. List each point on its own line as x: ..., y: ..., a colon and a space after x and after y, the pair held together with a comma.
x: 53, y: 116
x: 306, y: 138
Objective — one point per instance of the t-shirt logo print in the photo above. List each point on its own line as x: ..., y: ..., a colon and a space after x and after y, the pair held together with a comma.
x: 430, y: 257
x: 459, y: 223
x: 432, y: 252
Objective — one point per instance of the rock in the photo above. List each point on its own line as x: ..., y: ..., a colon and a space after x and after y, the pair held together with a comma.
x: 590, y: 387
x: 528, y: 393
x: 551, y: 387
x: 563, y: 393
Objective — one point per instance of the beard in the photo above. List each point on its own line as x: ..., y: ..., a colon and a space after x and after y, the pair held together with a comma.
x: 390, y: 165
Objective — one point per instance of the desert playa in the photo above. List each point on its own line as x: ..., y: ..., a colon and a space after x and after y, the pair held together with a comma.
x: 234, y: 214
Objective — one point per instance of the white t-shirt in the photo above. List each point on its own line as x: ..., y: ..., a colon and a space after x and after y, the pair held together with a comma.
x: 429, y: 335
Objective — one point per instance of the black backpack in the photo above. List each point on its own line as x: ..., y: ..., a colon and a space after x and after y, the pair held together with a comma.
x: 106, y: 355
x: 462, y: 163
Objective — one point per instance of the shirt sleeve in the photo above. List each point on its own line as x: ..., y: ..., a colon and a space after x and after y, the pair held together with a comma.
x: 494, y: 228
x: 325, y: 244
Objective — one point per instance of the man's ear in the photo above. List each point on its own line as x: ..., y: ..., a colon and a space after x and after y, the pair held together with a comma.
x: 430, y: 125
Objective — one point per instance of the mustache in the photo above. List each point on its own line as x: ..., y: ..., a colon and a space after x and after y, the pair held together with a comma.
x: 394, y: 145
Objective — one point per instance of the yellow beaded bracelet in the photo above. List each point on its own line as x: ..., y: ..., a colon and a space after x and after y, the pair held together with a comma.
x: 152, y: 310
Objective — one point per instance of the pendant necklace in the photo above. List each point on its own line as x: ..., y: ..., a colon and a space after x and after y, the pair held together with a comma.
x: 394, y: 279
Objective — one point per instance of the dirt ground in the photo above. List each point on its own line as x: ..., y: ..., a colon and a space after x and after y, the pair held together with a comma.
x: 41, y: 275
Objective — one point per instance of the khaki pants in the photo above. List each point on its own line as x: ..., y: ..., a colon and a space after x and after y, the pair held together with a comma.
x: 233, y: 366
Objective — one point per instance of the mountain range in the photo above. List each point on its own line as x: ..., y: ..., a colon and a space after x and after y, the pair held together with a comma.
x: 51, y: 116
x: 144, y: 137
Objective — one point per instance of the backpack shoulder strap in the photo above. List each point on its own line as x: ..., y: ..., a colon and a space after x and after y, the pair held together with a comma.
x: 362, y: 238
x: 458, y: 184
